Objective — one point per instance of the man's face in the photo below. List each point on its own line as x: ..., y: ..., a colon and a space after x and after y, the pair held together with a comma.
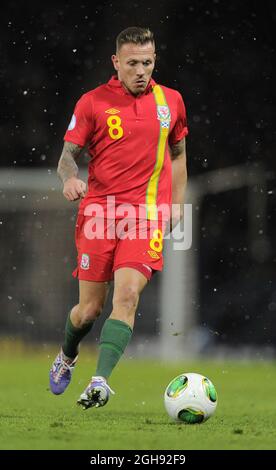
x: 134, y: 64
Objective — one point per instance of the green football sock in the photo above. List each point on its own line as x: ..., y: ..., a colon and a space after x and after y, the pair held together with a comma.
x: 114, y: 338
x: 73, y: 336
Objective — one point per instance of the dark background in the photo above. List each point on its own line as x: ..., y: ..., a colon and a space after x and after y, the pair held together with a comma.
x: 221, y: 56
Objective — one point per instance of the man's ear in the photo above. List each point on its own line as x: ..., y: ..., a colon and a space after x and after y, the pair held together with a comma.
x: 115, y: 59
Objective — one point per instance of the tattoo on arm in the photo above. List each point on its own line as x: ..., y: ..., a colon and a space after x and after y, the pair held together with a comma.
x: 67, y: 166
x: 177, y: 149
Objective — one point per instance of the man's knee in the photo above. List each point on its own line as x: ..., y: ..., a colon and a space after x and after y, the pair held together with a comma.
x: 88, y: 312
x: 126, y: 298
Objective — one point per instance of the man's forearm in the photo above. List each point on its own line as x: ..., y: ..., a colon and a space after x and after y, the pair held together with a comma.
x: 67, y: 167
x: 179, y: 181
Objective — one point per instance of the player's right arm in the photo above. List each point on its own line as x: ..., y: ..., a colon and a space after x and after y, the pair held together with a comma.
x: 73, y: 187
x: 177, y: 147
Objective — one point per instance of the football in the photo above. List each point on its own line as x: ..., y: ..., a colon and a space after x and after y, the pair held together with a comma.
x: 190, y: 398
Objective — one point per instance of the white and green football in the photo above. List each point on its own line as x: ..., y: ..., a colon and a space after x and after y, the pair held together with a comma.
x: 190, y: 398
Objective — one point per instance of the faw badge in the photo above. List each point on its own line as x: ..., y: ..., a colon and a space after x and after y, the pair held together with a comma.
x: 85, y: 261
x: 163, y: 113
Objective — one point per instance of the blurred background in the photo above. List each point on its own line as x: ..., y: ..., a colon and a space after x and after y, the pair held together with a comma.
x: 217, y: 298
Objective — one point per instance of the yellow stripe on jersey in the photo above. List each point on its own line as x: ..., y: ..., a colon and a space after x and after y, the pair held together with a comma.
x: 163, y: 113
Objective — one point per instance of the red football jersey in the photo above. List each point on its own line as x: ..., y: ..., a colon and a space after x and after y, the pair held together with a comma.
x: 128, y: 138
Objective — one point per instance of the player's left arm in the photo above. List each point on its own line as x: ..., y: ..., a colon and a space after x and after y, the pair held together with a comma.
x: 179, y: 180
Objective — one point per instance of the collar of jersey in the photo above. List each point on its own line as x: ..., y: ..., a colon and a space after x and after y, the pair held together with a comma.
x: 114, y: 82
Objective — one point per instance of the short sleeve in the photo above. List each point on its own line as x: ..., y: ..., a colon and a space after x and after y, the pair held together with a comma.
x: 80, y: 128
x: 180, y: 129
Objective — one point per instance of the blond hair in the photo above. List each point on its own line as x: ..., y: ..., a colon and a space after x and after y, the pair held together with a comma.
x: 134, y: 35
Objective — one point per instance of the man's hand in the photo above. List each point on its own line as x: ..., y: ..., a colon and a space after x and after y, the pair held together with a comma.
x: 176, y: 217
x: 74, y: 189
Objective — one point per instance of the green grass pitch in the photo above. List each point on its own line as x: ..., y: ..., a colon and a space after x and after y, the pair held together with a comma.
x: 135, y: 418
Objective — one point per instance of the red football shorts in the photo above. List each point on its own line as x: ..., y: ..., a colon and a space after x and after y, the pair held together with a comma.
x: 105, y: 245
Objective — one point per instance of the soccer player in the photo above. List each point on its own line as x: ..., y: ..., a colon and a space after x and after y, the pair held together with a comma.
x: 135, y: 130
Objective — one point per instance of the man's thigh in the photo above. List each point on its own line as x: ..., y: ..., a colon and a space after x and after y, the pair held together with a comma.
x: 92, y: 292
